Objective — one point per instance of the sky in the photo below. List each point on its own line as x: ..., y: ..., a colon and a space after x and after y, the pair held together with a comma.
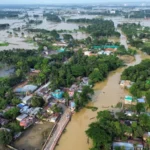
x: 63, y: 1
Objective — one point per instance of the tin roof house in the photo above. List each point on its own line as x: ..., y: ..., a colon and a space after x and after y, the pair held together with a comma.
x: 58, y: 94
x: 26, y: 122
x: 128, y: 99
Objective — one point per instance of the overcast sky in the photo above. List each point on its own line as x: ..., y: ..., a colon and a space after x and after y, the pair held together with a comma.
x: 63, y: 1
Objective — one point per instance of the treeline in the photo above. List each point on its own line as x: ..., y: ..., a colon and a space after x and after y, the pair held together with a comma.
x: 83, y: 20
x: 123, y: 51
x: 140, y: 74
x: 104, y: 13
x: 4, y: 26
x: 22, y: 61
x: 138, y: 14
x: 109, y: 128
x: 52, y: 17
x: 100, y: 27
x: 95, y: 67
x: 35, y: 22
x: 9, y: 14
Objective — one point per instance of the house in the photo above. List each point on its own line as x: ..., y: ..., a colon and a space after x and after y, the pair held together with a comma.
x: 54, y: 118
x: 72, y: 106
x: 125, y: 145
x: 129, y: 113
x: 74, y: 87
x: 100, y: 53
x: 87, y: 53
x: 141, y: 100
x: 26, y: 89
x: 112, y: 11
x: 111, y: 49
x: 128, y: 99
x: 58, y: 94
x: 48, y: 107
x: 26, y: 110
x: 60, y: 44
x: 26, y: 122
x: 21, y: 117
x: 27, y: 99
x: 126, y: 83
x: 35, y: 111
x: 21, y: 105
x: 71, y: 93
x: 85, y: 80
x: 146, y: 135
x: 107, y: 53
x: 3, y: 121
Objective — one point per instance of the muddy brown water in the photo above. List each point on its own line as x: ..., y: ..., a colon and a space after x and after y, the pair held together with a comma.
x: 107, y: 94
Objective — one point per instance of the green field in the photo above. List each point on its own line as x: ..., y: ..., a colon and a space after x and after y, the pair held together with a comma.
x: 4, y: 44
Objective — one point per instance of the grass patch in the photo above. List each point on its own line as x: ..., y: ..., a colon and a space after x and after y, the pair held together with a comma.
x: 4, y: 44
x: 119, y: 105
x: 92, y: 108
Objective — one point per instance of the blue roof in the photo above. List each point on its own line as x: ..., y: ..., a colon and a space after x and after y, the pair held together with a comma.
x: 61, y: 50
x: 72, y: 104
x: 140, y: 100
x: 21, y: 105
x: 58, y: 94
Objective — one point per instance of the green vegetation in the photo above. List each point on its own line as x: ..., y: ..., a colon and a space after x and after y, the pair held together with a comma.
x: 52, y: 17
x: 37, y: 101
x: 4, y: 44
x: 4, y: 26
x: 92, y: 108
x: 137, y: 35
x: 122, y: 51
x: 138, y: 14
x: 35, y: 22
x: 108, y: 129
x: 95, y: 67
x: 81, y: 99
x: 12, y: 113
x: 5, y: 137
x: 9, y: 14
x: 101, y: 28
x: 104, y: 13
x: 140, y: 75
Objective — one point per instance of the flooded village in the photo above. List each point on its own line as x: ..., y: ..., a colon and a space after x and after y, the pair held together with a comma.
x: 60, y: 67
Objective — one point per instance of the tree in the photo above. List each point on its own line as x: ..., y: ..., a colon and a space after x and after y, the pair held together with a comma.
x: 12, y: 113
x: 96, y: 76
x: 56, y: 109
x: 81, y: 99
x: 148, y: 99
x: 3, y: 103
x: 66, y: 96
x: 140, y: 107
x: 15, y: 101
x: 37, y: 101
x: 15, y: 127
x: 5, y: 137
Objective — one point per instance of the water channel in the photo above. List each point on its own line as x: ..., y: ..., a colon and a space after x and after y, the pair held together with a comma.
x: 107, y: 94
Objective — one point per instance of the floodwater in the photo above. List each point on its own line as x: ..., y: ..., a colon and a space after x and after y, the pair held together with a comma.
x: 107, y: 94
x: 6, y: 70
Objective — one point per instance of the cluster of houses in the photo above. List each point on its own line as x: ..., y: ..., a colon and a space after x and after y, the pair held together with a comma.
x: 30, y: 115
x: 107, y: 51
x: 133, y: 144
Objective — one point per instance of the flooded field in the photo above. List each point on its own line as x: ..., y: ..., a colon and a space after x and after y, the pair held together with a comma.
x: 6, y: 70
x: 34, y: 137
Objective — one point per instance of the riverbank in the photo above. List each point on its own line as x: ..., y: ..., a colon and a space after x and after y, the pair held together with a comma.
x: 107, y: 94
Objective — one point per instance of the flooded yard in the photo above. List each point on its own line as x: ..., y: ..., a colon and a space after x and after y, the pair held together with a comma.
x: 34, y: 137
x: 6, y: 70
